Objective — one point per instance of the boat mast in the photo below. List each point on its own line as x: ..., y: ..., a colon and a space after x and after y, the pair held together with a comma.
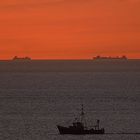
x: 82, y: 114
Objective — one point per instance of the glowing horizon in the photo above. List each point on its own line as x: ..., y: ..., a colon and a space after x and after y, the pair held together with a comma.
x: 69, y: 29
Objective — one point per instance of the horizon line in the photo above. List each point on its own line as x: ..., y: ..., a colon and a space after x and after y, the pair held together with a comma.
x: 45, y: 59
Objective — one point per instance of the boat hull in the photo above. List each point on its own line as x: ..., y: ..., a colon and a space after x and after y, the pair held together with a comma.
x: 74, y: 131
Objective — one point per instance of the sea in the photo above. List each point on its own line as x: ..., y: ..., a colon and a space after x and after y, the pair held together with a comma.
x: 37, y: 95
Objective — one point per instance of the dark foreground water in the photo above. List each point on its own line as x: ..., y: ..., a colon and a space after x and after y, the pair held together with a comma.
x: 36, y: 96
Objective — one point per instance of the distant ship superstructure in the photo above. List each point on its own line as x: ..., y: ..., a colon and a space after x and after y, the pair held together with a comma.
x: 16, y: 58
x: 109, y: 58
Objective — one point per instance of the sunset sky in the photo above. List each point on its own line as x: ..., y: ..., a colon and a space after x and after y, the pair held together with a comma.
x: 69, y: 29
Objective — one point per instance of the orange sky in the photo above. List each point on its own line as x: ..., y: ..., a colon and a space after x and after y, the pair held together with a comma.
x: 69, y: 29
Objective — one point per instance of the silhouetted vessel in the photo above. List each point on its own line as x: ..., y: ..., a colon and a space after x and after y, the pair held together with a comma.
x: 109, y: 58
x: 21, y: 58
x: 79, y: 127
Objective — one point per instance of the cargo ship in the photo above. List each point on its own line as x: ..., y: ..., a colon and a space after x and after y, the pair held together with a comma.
x: 21, y: 58
x: 79, y: 127
x: 109, y: 58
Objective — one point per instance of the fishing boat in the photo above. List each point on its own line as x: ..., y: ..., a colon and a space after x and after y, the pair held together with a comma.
x: 79, y: 127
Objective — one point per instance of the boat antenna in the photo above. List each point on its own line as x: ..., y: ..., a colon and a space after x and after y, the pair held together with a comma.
x: 82, y: 113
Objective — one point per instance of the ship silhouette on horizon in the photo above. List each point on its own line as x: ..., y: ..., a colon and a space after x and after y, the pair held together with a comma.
x: 16, y: 58
x: 79, y: 127
x: 110, y: 58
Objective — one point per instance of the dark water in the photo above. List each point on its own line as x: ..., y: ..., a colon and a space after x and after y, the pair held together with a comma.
x: 37, y: 95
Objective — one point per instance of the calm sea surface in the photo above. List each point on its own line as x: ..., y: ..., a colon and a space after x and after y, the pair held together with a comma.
x: 36, y: 96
